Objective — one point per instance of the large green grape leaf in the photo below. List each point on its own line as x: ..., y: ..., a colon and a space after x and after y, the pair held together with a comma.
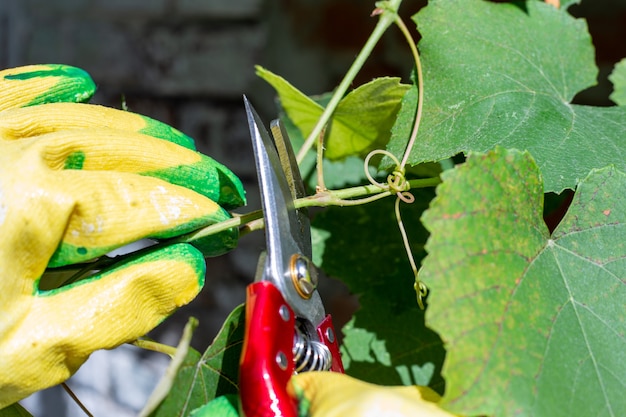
x: 203, y: 377
x: 361, y: 122
x: 405, y: 121
x: 386, y: 342
x: 500, y: 74
x: 534, y: 324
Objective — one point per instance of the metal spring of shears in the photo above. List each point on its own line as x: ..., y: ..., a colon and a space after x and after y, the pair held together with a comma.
x: 310, y: 355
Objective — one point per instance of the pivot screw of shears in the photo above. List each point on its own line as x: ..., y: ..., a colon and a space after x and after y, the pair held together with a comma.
x: 303, y: 275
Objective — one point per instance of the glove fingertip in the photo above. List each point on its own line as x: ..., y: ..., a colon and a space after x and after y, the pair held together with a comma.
x: 207, y: 177
x: 232, y: 193
x: 183, y: 253
x: 162, y: 268
x: 48, y: 83
x: 179, y: 252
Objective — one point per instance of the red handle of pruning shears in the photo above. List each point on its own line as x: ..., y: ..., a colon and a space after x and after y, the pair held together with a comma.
x: 267, y: 360
x: 265, y: 367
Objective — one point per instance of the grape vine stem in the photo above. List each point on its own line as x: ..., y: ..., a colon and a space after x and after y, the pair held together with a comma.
x: 345, y: 197
x: 387, y: 18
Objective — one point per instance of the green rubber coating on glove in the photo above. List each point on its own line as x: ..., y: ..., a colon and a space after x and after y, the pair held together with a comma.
x: 207, y: 177
x: 182, y: 252
x: 304, y: 405
x: 75, y: 160
x: 161, y: 130
x: 212, y: 245
x: 75, y: 85
x: 224, y: 406
x: 67, y: 254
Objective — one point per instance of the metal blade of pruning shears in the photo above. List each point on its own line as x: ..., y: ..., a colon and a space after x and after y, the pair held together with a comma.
x: 287, y: 329
x: 287, y: 230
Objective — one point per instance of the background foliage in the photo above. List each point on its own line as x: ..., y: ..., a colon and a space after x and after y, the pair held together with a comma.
x: 519, y: 320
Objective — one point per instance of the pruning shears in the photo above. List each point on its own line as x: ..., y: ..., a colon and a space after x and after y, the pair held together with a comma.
x: 287, y: 330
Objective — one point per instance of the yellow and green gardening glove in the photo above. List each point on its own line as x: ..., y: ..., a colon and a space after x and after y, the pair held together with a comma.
x: 330, y: 394
x: 77, y: 181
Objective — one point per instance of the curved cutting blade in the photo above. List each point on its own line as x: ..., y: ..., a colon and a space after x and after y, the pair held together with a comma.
x: 287, y: 229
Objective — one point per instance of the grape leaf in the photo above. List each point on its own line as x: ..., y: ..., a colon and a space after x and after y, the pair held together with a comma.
x: 566, y: 3
x: 14, y: 410
x: 362, y: 246
x: 403, y: 126
x: 164, y: 386
x: 499, y: 74
x: 337, y: 174
x: 361, y: 121
x: 533, y: 323
x: 202, y: 378
x: 618, y: 78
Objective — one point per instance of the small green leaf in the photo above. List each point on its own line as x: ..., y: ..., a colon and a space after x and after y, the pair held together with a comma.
x: 337, y: 174
x: 501, y: 74
x: 364, y: 117
x: 15, y: 410
x: 618, y: 78
x: 302, y: 110
x: 361, y: 122
x: 533, y: 324
x: 201, y: 378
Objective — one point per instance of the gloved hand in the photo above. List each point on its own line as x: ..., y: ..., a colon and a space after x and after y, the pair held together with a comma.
x: 76, y: 181
x: 330, y: 394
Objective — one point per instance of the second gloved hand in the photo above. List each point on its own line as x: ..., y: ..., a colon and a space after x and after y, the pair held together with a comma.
x: 77, y: 181
x: 330, y: 394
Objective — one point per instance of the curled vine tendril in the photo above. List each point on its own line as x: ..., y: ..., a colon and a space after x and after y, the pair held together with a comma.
x: 396, y: 181
x: 398, y: 185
